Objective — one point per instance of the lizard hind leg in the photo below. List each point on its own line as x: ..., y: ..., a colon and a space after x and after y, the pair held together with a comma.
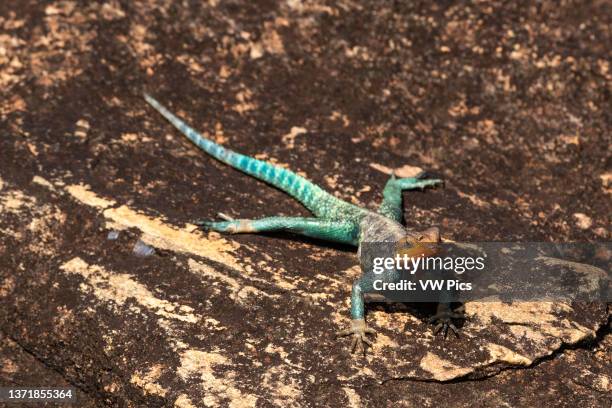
x: 391, y: 205
x: 328, y: 230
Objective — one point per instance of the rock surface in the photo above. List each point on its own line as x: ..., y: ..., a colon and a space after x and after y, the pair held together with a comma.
x: 106, y: 286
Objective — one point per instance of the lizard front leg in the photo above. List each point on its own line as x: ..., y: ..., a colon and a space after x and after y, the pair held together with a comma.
x: 444, y: 318
x: 359, y: 329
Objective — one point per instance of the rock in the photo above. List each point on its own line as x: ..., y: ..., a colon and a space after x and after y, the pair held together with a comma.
x: 248, y: 320
x: 583, y: 221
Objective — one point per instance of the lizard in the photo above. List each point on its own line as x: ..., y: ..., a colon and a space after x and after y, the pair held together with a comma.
x: 334, y: 220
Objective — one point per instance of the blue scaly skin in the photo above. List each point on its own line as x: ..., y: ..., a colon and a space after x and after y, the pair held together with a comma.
x: 334, y: 220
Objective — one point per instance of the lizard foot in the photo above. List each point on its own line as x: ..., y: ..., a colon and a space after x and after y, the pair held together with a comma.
x: 444, y: 319
x: 358, y: 331
x: 427, y: 182
x: 228, y: 224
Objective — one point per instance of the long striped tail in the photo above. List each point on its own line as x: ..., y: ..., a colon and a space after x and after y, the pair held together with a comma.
x: 313, y: 197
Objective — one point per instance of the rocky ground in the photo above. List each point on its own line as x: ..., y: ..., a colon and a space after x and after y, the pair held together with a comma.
x: 509, y: 102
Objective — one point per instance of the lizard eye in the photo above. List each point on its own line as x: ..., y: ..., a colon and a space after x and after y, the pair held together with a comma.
x: 429, y: 235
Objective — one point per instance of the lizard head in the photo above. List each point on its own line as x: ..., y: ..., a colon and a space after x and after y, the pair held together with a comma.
x: 420, y: 243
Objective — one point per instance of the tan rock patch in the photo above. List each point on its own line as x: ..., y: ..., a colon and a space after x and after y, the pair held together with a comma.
x: 440, y: 369
x: 147, y: 381
x: 201, y: 364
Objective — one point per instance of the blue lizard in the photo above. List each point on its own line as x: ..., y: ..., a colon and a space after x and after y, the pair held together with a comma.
x: 334, y: 220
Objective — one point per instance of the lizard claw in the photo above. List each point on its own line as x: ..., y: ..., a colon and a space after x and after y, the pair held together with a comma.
x: 358, y: 331
x: 444, y: 319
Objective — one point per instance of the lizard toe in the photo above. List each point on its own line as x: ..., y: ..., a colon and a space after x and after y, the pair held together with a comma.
x: 219, y: 226
x: 444, y: 322
x: 358, y: 331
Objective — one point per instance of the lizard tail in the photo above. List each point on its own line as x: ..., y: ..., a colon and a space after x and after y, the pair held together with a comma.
x: 317, y: 200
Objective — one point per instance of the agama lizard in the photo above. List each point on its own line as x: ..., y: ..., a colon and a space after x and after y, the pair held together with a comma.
x: 334, y: 220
